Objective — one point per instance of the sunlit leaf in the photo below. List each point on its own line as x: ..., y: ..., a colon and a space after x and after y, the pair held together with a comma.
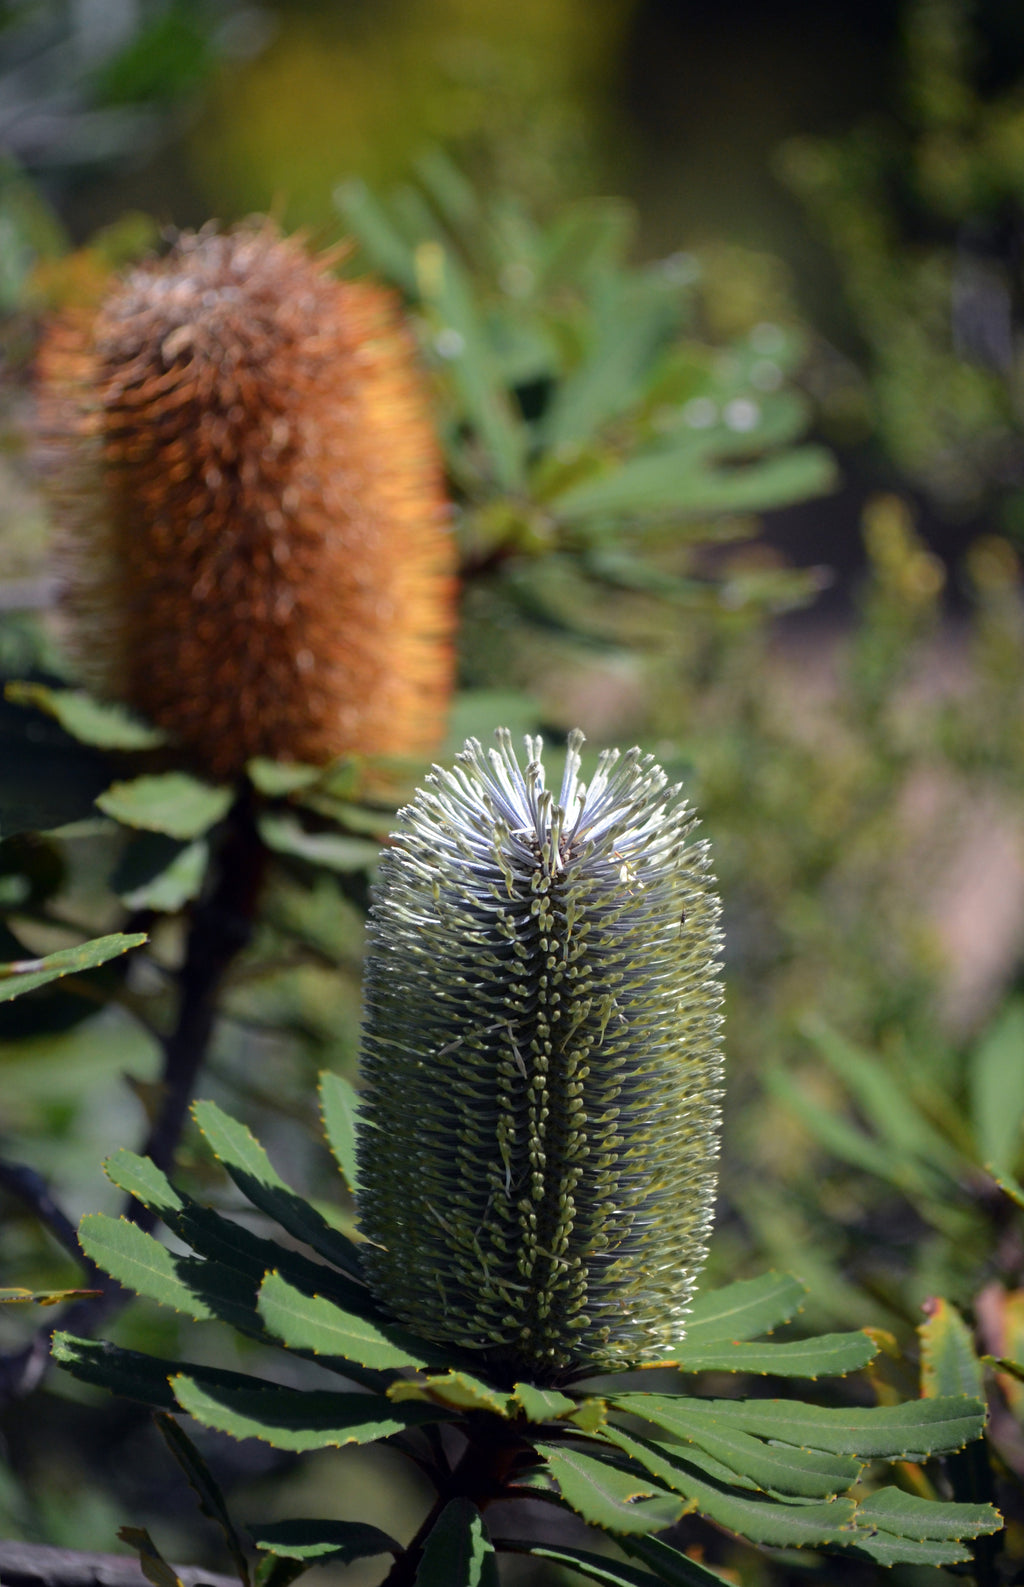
x: 100, y: 723
x: 541, y: 1405
x: 828, y: 1355
x: 736, y: 1456
x: 286, y: 835
x: 744, y: 1310
x: 996, y: 1078
x: 24, y: 975
x: 610, y: 1498
x: 949, y: 1363
x: 299, y: 1419
x: 309, y: 1322
x: 663, y: 483
x: 339, y: 1108
x: 459, y: 1390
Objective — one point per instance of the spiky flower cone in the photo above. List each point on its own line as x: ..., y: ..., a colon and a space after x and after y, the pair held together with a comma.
x: 254, y: 531
x: 542, y: 1063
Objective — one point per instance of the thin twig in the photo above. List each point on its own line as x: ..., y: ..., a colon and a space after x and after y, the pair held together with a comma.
x: 31, y: 1189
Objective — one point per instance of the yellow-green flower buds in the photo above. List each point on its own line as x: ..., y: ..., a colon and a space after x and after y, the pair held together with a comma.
x: 542, y: 1063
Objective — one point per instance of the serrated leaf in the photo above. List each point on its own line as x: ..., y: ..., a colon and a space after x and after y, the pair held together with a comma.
x: 135, y: 1376
x: 590, y: 1415
x: 757, y: 1518
x: 173, y: 802
x: 663, y: 483
x: 597, y: 1567
x: 139, y: 1262
x: 884, y: 1432
x: 736, y: 1456
x: 744, y: 1310
x: 341, y: 1541
x: 459, y: 1390
x: 949, y: 1364
x: 252, y: 1171
x: 99, y: 723
x: 24, y: 975
x: 1010, y: 1186
x: 286, y: 835
x: 996, y: 1078
x: 139, y: 1177
x: 309, y: 1322
x: 673, y: 1568
x: 541, y: 1405
x: 154, y: 1567
x: 826, y: 1356
x: 608, y: 1497
x: 204, y: 1486
x: 458, y: 1552
x: 299, y: 1419
x: 339, y: 1109
x: 885, y: 1549
x: 906, y: 1515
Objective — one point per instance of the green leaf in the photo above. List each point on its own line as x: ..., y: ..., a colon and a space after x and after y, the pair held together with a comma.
x: 884, y: 1432
x: 736, y: 1456
x: 828, y: 1355
x: 844, y: 1140
x: 173, y: 802
x: 996, y: 1077
x: 598, y: 1567
x: 277, y: 778
x: 459, y: 1390
x: 949, y: 1364
x: 905, y: 1515
x: 458, y: 1552
x: 99, y: 723
x: 156, y: 872
x: 138, y: 1262
x: 47, y: 779
x: 782, y: 1525
x: 135, y: 1376
x: 299, y: 1419
x: 380, y: 240
x: 140, y: 1177
x: 204, y: 1486
x: 286, y: 835
x: 445, y: 287
x: 154, y: 1567
x: 24, y: 975
x: 341, y: 1541
x: 252, y: 1171
x: 744, y: 1310
x: 475, y: 711
x: 309, y: 1322
x: 541, y: 1405
x: 608, y: 1497
x: 663, y: 483
x: 673, y: 1568
x: 1011, y: 1187
x: 339, y: 1108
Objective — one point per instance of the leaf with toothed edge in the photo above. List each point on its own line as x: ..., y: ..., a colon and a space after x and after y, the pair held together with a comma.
x: 826, y: 1356
x: 743, y: 1310
x: 458, y: 1552
x: 612, y: 1573
x: 309, y: 1322
x: 608, y: 1497
x: 339, y: 1108
x: 736, y: 1457
x: 299, y: 1419
x: 24, y: 975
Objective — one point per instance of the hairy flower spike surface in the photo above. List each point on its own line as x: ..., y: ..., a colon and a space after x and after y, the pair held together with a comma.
x: 542, y: 1063
x: 250, y: 494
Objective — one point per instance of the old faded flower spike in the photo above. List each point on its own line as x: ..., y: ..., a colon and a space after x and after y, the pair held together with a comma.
x: 542, y: 1063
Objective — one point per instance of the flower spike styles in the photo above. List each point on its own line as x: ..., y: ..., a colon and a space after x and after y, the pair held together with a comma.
x: 255, y: 547
x: 542, y: 1063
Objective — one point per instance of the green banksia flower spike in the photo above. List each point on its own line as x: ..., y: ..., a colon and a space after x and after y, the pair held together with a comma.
x: 542, y: 1063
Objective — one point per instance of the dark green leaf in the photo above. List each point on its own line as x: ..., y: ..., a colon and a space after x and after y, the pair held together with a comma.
x: 828, y: 1355
x: 598, y: 1567
x: 24, y: 975
x: 309, y: 1322
x: 46, y: 779
x: 174, y: 803
x: 154, y: 1567
x: 135, y: 1376
x: 339, y: 1108
x: 299, y: 1419
x: 96, y: 722
x: 541, y: 1405
x: 342, y: 1541
x: 458, y: 1552
x: 736, y: 1456
x: 744, y: 1310
x: 251, y: 1169
x: 884, y: 1432
x: 203, y: 1485
x: 156, y: 872
x: 673, y: 1568
x: 608, y: 1497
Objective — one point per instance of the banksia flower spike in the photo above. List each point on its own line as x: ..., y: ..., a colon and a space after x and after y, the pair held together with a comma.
x: 250, y: 498
x: 542, y: 1063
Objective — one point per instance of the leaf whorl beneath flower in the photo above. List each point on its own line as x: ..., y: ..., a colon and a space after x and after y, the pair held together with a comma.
x: 542, y: 1062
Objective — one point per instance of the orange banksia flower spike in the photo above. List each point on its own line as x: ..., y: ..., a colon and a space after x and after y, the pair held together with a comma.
x: 253, y: 527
